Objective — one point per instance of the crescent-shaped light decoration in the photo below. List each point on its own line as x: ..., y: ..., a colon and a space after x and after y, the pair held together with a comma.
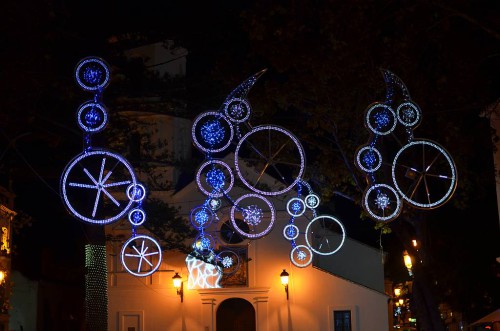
x: 394, y: 85
x: 235, y: 106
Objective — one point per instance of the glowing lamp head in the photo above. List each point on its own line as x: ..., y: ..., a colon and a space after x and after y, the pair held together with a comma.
x: 284, y: 277
x: 397, y: 291
x: 177, y: 280
x: 407, y: 260
x: 3, y: 275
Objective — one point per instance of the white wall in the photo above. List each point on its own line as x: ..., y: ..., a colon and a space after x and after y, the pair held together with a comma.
x: 314, y: 293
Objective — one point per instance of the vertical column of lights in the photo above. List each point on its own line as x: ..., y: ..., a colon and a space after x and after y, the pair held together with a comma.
x: 96, y: 289
x: 100, y: 187
x: 92, y: 74
x: 422, y: 172
x: 380, y: 200
x: 213, y: 132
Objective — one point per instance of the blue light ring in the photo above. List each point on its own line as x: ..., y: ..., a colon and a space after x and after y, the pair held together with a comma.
x: 368, y: 116
x: 237, y: 206
x: 308, y: 229
x: 451, y: 163
x: 371, y: 213
x: 209, y: 193
x: 103, y: 64
x: 155, y: 245
x: 297, y: 144
x: 64, y: 183
x: 195, y: 128
x: 103, y: 111
x: 296, y: 262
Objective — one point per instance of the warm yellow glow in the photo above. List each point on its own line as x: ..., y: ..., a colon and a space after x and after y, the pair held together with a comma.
x: 3, y: 274
x: 414, y: 242
x: 407, y: 259
x: 401, y: 302
x: 177, y: 280
x: 397, y: 292
x: 284, y: 277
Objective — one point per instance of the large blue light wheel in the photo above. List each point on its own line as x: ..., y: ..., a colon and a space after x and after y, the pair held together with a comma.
x: 277, y: 157
x: 141, y: 255
x: 325, y: 235
x: 424, y: 174
x: 94, y: 186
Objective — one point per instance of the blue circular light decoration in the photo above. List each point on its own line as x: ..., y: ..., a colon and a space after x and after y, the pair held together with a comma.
x: 382, y: 202
x: 92, y: 74
x: 368, y: 159
x: 266, y: 137
x: 94, y: 186
x: 92, y: 116
x: 290, y: 232
x: 141, y: 255
x: 259, y: 223
x: 409, y: 114
x: 420, y: 168
x: 212, y: 132
x: 137, y: 216
x: 201, y: 217
x: 229, y: 260
x: 295, y: 207
x: 136, y: 192
x: 311, y: 201
x: 320, y: 236
x: 204, y: 244
x: 220, y: 176
x: 237, y: 109
x: 380, y: 119
x: 301, y: 256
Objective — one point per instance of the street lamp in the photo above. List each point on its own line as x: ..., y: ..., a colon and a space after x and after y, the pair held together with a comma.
x: 408, y: 262
x: 284, y: 281
x: 179, y: 285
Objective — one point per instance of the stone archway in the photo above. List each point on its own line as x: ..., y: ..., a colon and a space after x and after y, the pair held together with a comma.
x: 235, y: 314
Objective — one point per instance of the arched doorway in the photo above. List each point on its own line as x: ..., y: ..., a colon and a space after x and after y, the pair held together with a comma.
x: 235, y: 314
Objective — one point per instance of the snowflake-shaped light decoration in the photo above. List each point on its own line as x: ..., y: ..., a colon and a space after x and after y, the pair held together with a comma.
x: 212, y: 132
x: 311, y: 201
x: 301, y: 255
x: 252, y: 215
x: 382, y: 200
x: 214, y: 203
x: 227, y: 262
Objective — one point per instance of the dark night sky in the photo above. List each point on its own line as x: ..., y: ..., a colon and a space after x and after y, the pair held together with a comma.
x: 43, y: 41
